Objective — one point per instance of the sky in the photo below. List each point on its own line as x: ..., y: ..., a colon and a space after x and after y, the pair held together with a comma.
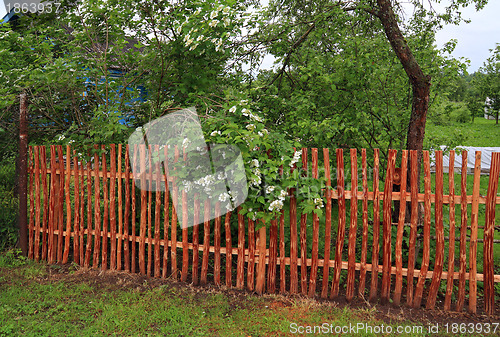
x: 474, y: 39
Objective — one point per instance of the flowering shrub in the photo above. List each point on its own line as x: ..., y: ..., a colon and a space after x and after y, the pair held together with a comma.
x: 268, y: 159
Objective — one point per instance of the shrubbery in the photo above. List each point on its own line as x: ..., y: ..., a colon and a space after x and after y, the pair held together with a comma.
x: 8, y: 204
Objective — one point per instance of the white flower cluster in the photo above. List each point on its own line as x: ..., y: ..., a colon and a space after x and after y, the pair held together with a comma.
x: 258, y: 180
x: 61, y: 137
x: 223, y: 197
x: 205, y: 181
x: 233, y: 109
x: 250, y: 127
x: 255, y: 163
x: 318, y: 202
x: 215, y: 133
x: 278, y: 203
x: 295, y: 159
x: 253, y: 117
x: 270, y: 189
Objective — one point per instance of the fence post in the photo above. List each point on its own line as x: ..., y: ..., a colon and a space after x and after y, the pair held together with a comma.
x: 23, y: 176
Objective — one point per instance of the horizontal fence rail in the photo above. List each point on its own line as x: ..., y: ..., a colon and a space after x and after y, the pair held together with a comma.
x: 380, y: 239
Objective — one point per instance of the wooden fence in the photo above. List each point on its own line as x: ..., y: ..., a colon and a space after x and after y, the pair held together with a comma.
x: 93, y: 215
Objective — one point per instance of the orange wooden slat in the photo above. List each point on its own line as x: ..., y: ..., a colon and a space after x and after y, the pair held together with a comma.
x: 439, y: 252
x: 473, y: 236
x: 376, y: 226
x: 341, y: 224
x: 400, y: 232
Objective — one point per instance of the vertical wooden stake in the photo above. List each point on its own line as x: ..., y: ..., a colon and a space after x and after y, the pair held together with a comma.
x: 451, y: 246
x: 413, y: 229
x: 261, y: 271
x: 386, y: 228
x: 240, y: 269
x: 439, y: 255
x: 328, y: 223
x: 341, y: 224
x: 473, y: 236
x: 427, y: 232
x: 315, y: 243
x: 351, y: 254
x: 489, y: 227
x: 364, y: 240
x: 229, y: 250
x: 400, y: 231
x: 463, y: 235
x: 376, y: 226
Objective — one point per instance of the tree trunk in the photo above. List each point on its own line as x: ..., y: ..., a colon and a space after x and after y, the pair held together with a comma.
x: 419, y: 81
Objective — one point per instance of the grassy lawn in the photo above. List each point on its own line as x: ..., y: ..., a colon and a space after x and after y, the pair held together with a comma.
x: 481, y: 133
x: 41, y: 300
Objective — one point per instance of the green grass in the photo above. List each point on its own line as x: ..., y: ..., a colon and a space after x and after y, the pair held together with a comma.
x: 481, y: 133
x: 41, y: 300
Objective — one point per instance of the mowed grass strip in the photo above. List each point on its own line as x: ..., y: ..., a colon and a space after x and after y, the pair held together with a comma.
x: 41, y: 300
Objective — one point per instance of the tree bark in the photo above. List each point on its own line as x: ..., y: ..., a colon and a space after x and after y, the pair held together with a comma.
x: 420, y: 82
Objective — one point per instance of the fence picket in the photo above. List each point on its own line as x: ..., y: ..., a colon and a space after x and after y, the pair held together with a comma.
x: 341, y: 224
x: 451, y: 245
x: 273, y: 257
x: 328, y: 224
x: 173, y: 233
x: 229, y: 248
x: 217, y: 238
x: 97, y: 211
x: 37, y: 205
x: 386, y: 228
x: 376, y: 226
x: 166, y: 214
x: 413, y: 228
x: 150, y: 216
x: 427, y: 232
x: 315, y: 238
x: 294, y: 272
x: 143, y: 220
x: 282, y: 253
x: 400, y: 231
x: 133, y: 209
x: 126, y: 254
x: 364, y: 240
x: 82, y: 210
x: 157, y: 264
x: 31, y: 224
x: 463, y: 235
x: 46, y: 198
x: 105, y: 215
x: 78, y: 235
x: 438, y: 212
x: 489, y: 227
x: 68, y: 206
x: 251, y: 255
x: 473, y: 236
x: 121, y: 233
x: 240, y: 269
x: 112, y: 207
x: 303, y: 235
x: 185, y: 239
x: 88, y: 247
x: 52, y: 205
x: 206, y: 243
x: 60, y: 204
x: 261, y: 269
x: 196, y: 243
x: 351, y: 255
